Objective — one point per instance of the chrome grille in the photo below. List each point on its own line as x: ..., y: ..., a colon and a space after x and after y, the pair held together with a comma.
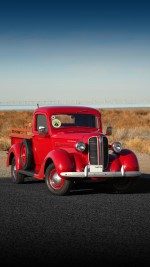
x: 105, y: 151
x: 93, y: 151
x: 98, y: 151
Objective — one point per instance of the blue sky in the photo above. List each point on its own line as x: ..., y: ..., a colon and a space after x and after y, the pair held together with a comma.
x: 74, y: 51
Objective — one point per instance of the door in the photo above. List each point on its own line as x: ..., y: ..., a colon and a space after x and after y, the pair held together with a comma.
x: 41, y: 138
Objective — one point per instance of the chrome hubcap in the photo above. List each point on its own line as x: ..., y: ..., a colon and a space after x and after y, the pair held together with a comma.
x: 56, y: 179
x: 14, y: 171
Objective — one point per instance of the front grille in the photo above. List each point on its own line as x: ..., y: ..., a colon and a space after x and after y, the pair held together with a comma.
x: 105, y: 151
x: 98, y: 151
x: 93, y: 151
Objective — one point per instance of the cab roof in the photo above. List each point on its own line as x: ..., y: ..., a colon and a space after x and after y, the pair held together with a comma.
x: 67, y: 109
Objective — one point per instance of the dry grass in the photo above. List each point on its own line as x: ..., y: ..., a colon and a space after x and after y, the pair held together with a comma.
x: 130, y: 127
x: 10, y: 119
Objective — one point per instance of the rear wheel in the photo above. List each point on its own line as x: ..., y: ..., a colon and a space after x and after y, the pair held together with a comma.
x: 56, y: 184
x: 16, y: 177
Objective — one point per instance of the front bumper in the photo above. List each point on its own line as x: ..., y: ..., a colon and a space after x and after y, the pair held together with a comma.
x: 96, y: 171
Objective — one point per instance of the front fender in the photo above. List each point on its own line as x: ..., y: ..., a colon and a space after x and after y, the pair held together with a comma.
x: 62, y: 160
x: 129, y: 160
x: 114, y: 163
x: 14, y: 151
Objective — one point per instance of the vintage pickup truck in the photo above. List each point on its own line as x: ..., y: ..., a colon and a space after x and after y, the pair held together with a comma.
x: 64, y: 145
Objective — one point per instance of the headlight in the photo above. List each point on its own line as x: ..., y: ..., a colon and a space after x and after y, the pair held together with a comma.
x: 80, y: 146
x: 116, y: 147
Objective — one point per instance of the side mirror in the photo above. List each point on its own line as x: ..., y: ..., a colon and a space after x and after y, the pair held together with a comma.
x: 109, y: 130
x: 42, y: 130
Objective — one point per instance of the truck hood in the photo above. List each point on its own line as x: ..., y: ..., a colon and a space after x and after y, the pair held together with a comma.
x: 75, y: 135
x: 68, y: 140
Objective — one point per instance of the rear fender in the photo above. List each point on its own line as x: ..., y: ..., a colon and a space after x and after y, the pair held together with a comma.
x: 14, y: 151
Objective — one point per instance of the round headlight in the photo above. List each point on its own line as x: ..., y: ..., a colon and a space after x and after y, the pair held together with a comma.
x: 116, y: 147
x: 80, y: 146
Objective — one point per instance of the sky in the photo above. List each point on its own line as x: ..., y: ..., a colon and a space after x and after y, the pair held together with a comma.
x: 74, y: 51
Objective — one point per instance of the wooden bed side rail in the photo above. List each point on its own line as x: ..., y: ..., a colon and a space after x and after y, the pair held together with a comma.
x: 21, y: 136
x: 18, y: 129
x: 25, y: 132
x: 29, y: 124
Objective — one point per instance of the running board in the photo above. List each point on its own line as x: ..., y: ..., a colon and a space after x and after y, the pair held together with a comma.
x: 27, y: 173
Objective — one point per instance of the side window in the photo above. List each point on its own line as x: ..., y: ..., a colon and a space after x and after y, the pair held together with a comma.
x: 41, y: 122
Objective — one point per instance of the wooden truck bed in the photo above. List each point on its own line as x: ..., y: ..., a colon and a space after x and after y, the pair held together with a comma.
x: 21, y: 133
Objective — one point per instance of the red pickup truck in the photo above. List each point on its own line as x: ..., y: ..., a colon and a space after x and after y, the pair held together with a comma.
x: 64, y: 145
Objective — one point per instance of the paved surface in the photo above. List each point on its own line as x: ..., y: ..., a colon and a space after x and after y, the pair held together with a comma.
x: 87, y: 227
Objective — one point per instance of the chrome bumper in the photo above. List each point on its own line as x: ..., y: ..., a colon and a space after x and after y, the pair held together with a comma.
x: 97, y: 172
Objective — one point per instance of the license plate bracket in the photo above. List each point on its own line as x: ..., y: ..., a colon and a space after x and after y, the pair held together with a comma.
x: 95, y: 168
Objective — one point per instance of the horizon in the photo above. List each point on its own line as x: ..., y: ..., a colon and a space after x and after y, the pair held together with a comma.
x: 32, y: 105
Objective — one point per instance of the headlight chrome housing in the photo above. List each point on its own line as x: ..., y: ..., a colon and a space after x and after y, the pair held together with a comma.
x: 80, y: 146
x: 116, y: 147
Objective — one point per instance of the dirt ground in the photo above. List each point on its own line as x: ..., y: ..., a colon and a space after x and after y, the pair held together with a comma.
x: 144, y: 162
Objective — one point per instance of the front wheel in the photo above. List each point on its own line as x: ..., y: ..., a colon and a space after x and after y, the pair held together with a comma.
x: 123, y: 184
x: 56, y: 184
x: 17, y: 178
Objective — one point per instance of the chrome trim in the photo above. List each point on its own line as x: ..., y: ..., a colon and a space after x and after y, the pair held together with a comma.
x: 100, y: 174
x: 97, y: 174
x: 90, y: 146
x: 101, y: 154
x: 122, y: 170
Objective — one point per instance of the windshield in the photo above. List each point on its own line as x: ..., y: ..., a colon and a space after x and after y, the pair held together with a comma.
x: 74, y: 120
